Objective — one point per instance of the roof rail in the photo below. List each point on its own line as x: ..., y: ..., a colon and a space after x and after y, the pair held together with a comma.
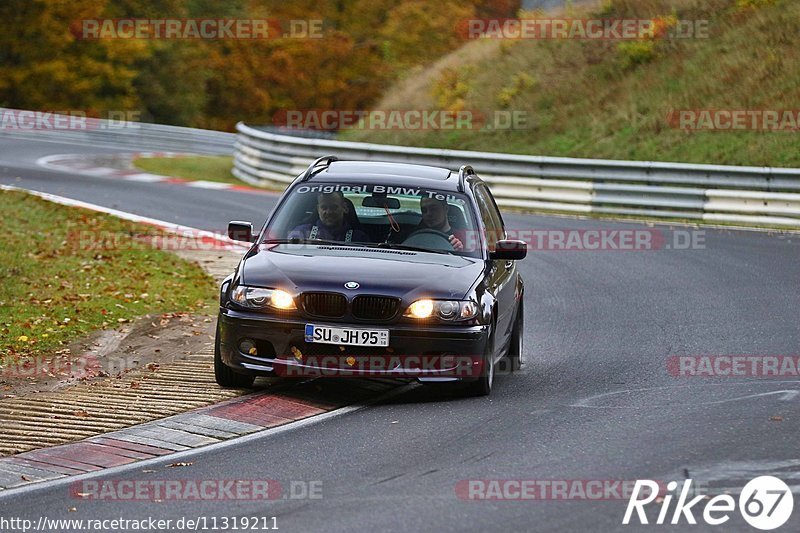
x: 463, y: 172
x: 328, y: 159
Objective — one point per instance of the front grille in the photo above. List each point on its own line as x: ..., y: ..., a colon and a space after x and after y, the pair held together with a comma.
x: 375, y: 307
x: 325, y: 304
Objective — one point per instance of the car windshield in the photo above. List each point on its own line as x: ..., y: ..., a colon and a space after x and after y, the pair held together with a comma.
x: 390, y: 216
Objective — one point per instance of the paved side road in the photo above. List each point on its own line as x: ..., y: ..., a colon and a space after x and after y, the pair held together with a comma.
x: 596, y: 399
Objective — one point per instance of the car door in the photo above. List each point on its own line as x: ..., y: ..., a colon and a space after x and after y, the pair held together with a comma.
x: 502, y: 274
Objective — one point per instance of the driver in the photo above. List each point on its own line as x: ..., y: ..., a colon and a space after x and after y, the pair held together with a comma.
x: 331, y: 224
x: 434, y: 216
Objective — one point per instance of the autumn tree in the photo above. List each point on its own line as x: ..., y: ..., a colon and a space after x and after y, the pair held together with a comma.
x: 46, y: 66
x: 365, y: 45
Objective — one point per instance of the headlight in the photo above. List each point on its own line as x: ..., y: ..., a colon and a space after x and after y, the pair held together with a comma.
x: 445, y: 310
x: 420, y: 309
x: 259, y: 298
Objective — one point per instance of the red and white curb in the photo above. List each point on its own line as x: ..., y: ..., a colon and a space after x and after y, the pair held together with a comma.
x: 179, y: 436
x: 120, y: 169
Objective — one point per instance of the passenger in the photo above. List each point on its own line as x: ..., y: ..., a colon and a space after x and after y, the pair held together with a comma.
x: 332, y: 223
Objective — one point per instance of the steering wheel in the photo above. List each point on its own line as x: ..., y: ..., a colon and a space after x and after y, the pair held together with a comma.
x: 429, y: 238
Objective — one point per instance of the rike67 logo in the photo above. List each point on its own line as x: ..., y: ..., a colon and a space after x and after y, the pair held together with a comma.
x: 765, y: 503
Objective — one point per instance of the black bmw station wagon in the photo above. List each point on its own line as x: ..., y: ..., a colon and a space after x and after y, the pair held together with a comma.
x: 375, y: 269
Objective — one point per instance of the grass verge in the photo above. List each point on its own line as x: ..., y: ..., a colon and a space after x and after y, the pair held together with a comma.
x: 618, y: 99
x: 69, y: 271
x: 207, y: 168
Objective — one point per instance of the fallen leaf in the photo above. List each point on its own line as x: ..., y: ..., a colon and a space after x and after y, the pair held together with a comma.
x: 81, y: 413
x: 776, y: 418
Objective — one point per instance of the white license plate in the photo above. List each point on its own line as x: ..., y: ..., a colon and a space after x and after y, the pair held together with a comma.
x: 347, y: 336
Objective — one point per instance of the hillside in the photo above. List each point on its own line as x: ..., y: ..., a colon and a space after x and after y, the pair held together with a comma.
x: 612, y: 98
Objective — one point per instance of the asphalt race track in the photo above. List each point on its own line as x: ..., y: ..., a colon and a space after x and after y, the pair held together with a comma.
x: 594, y: 400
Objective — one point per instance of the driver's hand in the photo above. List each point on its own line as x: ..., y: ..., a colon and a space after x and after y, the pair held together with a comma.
x: 456, y: 244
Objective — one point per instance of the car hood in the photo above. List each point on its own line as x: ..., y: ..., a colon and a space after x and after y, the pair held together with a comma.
x: 404, y: 274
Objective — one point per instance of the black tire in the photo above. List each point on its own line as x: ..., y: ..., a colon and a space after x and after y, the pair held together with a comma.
x: 483, y: 385
x: 224, y: 374
x: 515, y: 347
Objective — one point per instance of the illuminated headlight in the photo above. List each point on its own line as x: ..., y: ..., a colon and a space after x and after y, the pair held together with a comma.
x: 420, y: 309
x: 445, y: 310
x: 259, y: 298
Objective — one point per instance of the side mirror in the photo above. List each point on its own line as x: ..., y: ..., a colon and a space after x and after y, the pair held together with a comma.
x: 509, y: 250
x: 240, y: 231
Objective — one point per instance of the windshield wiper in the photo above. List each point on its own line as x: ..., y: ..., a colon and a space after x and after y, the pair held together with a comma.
x: 388, y: 245
x: 395, y: 246
x: 297, y: 240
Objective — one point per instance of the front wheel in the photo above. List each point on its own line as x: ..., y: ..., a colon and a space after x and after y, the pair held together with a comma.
x: 515, y: 348
x: 224, y: 374
x: 483, y: 385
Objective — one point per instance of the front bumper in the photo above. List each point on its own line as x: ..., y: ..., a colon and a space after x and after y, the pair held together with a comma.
x: 424, y: 352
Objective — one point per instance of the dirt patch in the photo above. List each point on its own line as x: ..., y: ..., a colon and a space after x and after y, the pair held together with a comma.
x: 150, y: 340
x: 147, y: 341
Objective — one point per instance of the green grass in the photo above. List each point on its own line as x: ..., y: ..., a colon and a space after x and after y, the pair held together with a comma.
x: 60, y: 281
x: 207, y: 168
x: 607, y: 99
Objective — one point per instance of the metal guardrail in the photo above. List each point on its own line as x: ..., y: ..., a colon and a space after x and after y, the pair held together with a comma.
x: 714, y: 193
x: 135, y: 136
x: 742, y: 195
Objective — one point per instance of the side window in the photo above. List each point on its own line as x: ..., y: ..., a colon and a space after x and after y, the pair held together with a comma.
x: 496, y: 214
x: 489, y: 215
